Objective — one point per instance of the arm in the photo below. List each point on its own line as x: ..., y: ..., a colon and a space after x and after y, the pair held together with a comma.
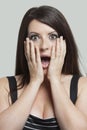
x: 69, y: 116
x: 14, y: 117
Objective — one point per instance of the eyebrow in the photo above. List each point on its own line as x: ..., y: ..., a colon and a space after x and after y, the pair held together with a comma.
x: 52, y: 32
x: 33, y: 33
x: 39, y: 34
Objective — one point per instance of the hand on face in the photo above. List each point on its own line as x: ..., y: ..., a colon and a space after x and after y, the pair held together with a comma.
x: 34, y: 62
x: 57, y: 59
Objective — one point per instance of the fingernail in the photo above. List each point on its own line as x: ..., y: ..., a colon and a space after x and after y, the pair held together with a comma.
x: 27, y: 39
x: 61, y: 37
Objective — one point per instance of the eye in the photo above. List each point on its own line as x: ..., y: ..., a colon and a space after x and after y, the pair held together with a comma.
x: 53, y: 36
x: 34, y: 37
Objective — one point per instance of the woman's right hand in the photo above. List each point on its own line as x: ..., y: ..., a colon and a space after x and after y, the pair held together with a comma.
x: 34, y: 62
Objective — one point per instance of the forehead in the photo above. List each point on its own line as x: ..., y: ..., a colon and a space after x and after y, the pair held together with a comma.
x: 36, y: 26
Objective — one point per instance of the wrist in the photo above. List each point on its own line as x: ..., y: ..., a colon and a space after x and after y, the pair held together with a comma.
x: 55, y: 81
x: 54, y: 78
x: 35, y: 82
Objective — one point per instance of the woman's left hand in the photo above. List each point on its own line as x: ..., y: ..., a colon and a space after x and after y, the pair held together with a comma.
x: 57, y: 59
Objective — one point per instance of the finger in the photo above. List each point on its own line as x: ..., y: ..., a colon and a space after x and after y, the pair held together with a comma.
x: 61, y: 41
x: 38, y: 59
x: 63, y: 50
x: 58, y: 48
x: 53, y: 52
x: 28, y: 49
x: 25, y: 48
x: 58, y: 54
x: 32, y: 52
x: 64, y: 47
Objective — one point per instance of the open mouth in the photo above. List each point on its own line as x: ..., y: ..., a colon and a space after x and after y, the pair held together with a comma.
x: 45, y: 60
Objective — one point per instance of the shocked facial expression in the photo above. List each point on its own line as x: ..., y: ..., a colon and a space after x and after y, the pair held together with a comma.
x: 45, y: 37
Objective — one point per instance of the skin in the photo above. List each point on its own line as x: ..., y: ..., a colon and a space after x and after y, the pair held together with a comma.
x: 47, y: 94
x: 44, y: 75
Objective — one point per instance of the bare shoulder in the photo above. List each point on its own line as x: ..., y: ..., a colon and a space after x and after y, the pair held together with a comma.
x: 81, y: 102
x: 5, y: 99
x: 4, y: 86
x: 83, y: 80
x: 4, y: 91
x: 82, y: 84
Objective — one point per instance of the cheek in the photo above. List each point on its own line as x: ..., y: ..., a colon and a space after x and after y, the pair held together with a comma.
x: 53, y: 42
x: 51, y: 45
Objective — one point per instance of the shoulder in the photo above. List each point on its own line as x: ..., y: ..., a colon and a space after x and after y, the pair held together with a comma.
x: 82, y: 85
x: 83, y: 80
x: 4, y: 91
x: 4, y: 86
x: 81, y: 102
x: 5, y: 99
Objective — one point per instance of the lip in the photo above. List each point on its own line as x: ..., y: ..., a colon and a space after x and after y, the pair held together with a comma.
x: 45, y: 55
x: 45, y: 64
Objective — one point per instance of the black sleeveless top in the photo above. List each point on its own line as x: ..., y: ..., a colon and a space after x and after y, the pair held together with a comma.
x: 36, y: 123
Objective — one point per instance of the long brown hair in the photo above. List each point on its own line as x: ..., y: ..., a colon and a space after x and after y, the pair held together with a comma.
x: 55, y: 19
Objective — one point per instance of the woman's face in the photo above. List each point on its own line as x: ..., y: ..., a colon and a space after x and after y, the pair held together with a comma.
x: 44, y: 37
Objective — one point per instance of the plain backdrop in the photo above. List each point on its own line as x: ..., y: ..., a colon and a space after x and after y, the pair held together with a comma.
x: 11, y: 14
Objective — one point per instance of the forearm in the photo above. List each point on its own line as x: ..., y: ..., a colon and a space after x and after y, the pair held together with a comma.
x: 69, y: 117
x: 16, y: 115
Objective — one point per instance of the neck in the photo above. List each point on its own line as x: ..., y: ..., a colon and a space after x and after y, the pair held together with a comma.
x: 46, y: 82
x: 46, y: 85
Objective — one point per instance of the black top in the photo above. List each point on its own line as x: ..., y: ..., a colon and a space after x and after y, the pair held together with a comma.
x: 36, y: 123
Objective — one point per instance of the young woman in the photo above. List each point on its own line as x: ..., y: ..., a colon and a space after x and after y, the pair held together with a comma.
x: 47, y: 91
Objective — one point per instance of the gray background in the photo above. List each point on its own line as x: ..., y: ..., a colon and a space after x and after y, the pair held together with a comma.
x: 11, y: 13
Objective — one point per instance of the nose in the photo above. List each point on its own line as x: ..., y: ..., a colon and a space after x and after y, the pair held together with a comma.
x: 44, y: 45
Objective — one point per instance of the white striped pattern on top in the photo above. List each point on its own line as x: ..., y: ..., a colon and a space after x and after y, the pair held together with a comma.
x: 36, y: 123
